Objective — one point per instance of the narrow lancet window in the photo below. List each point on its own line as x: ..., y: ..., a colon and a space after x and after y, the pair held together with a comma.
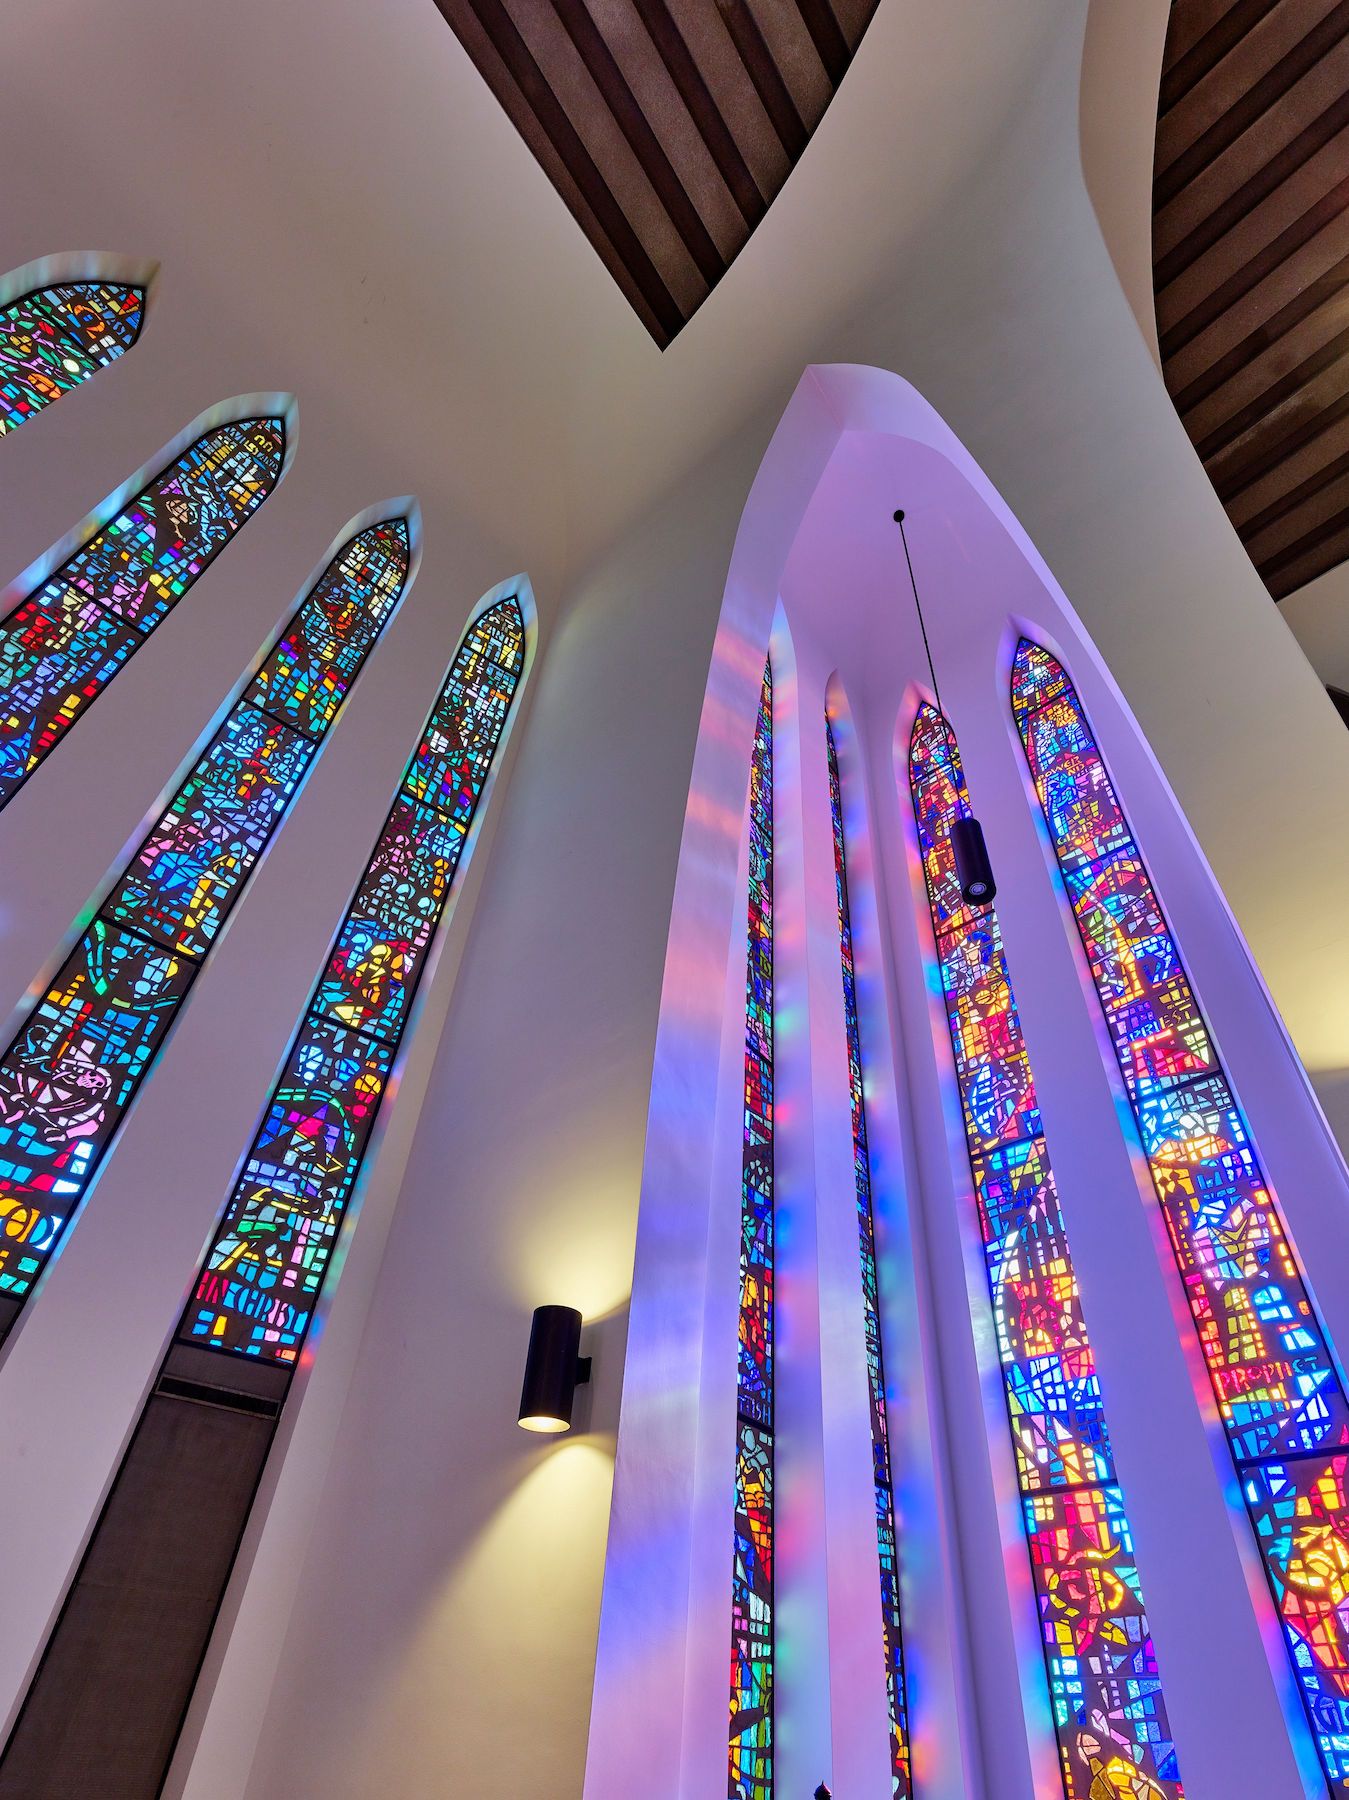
x: 209, y: 1421
x: 257, y: 1289
x: 66, y: 640
x: 70, y: 1074
x: 751, y: 1758
x: 900, y: 1770
x: 54, y: 338
x: 1109, y: 1714
x: 1274, y: 1379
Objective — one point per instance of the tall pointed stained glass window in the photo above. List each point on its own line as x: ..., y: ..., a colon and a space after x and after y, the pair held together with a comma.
x: 257, y: 1289
x: 1278, y: 1393
x: 65, y: 642
x: 209, y: 1421
x: 1109, y: 1714
x: 900, y: 1770
x: 72, y: 1070
x: 54, y: 338
x: 751, y: 1751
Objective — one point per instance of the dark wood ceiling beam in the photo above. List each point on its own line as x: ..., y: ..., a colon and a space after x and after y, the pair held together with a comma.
x: 1273, y: 329
x: 1302, y: 563
x: 1299, y: 527
x: 581, y: 166
x: 1204, y: 55
x: 1237, y: 208
x: 697, y: 97
x: 1251, y: 267
x: 667, y: 126
x: 1261, y: 263
x: 642, y: 140
x: 1269, y: 305
x: 1293, y: 497
x: 1268, y: 400
x: 743, y: 30
x: 1272, y: 88
x: 1282, y: 450
x: 827, y: 36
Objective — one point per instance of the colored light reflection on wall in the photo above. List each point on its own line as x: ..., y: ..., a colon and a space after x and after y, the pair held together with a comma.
x: 751, y: 1726
x: 1105, y: 1692
x: 886, y: 1540
x: 1278, y: 1394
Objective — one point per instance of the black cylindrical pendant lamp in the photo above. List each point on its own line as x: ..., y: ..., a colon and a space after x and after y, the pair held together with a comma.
x: 974, y: 871
x: 553, y: 1369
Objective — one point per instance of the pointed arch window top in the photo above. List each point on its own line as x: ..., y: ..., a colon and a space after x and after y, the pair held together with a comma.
x: 55, y: 338
x: 1037, y: 678
x: 70, y: 636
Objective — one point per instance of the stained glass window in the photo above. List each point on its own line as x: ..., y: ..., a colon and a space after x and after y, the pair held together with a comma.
x: 256, y: 1292
x: 751, y: 1758
x: 1273, y: 1374
x: 56, y: 337
x: 887, y: 1544
x: 70, y: 1073
x: 64, y: 643
x: 1109, y: 1713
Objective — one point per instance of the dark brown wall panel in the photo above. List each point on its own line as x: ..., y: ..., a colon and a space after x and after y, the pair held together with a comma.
x: 105, y: 1707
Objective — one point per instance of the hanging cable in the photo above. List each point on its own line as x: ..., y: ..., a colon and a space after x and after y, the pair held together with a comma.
x: 974, y: 870
x: 918, y: 608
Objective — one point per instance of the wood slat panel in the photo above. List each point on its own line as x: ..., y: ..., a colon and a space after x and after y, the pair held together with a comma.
x: 667, y: 126
x: 1251, y: 267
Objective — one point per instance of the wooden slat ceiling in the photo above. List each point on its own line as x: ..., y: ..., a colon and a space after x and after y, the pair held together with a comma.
x: 1251, y: 267
x: 667, y: 126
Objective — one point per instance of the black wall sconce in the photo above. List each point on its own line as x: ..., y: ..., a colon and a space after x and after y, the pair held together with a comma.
x: 554, y: 1369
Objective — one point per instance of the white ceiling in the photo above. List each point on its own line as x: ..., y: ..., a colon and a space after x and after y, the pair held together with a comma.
x: 332, y: 181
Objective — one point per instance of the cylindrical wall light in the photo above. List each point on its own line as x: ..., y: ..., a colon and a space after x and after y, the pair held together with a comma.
x: 553, y: 1369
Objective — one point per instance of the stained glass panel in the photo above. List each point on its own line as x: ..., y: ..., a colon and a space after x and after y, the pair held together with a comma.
x: 65, y: 642
x: 1109, y: 1715
x: 185, y: 874
x: 751, y: 1738
x: 1270, y: 1365
x: 257, y: 1289
x: 1106, y: 1695
x: 389, y: 924
x: 306, y: 678
x: 1300, y: 1511
x: 257, y: 1292
x: 67, y: 1079
x: 162, y: 915
x: 57, y: 337
x: 751, y: 1764
x: 54, y: 659
x: 891, y: 1632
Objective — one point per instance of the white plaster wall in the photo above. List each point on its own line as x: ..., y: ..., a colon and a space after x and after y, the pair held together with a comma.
x: 1007, y: 314
x: 447, y: 1570
x: 1318, y: 617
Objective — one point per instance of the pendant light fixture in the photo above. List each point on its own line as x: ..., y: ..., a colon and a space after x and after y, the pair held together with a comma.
x: 974, y: 871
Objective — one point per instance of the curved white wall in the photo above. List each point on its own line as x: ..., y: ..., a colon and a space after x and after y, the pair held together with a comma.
x: 446, y: 1570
